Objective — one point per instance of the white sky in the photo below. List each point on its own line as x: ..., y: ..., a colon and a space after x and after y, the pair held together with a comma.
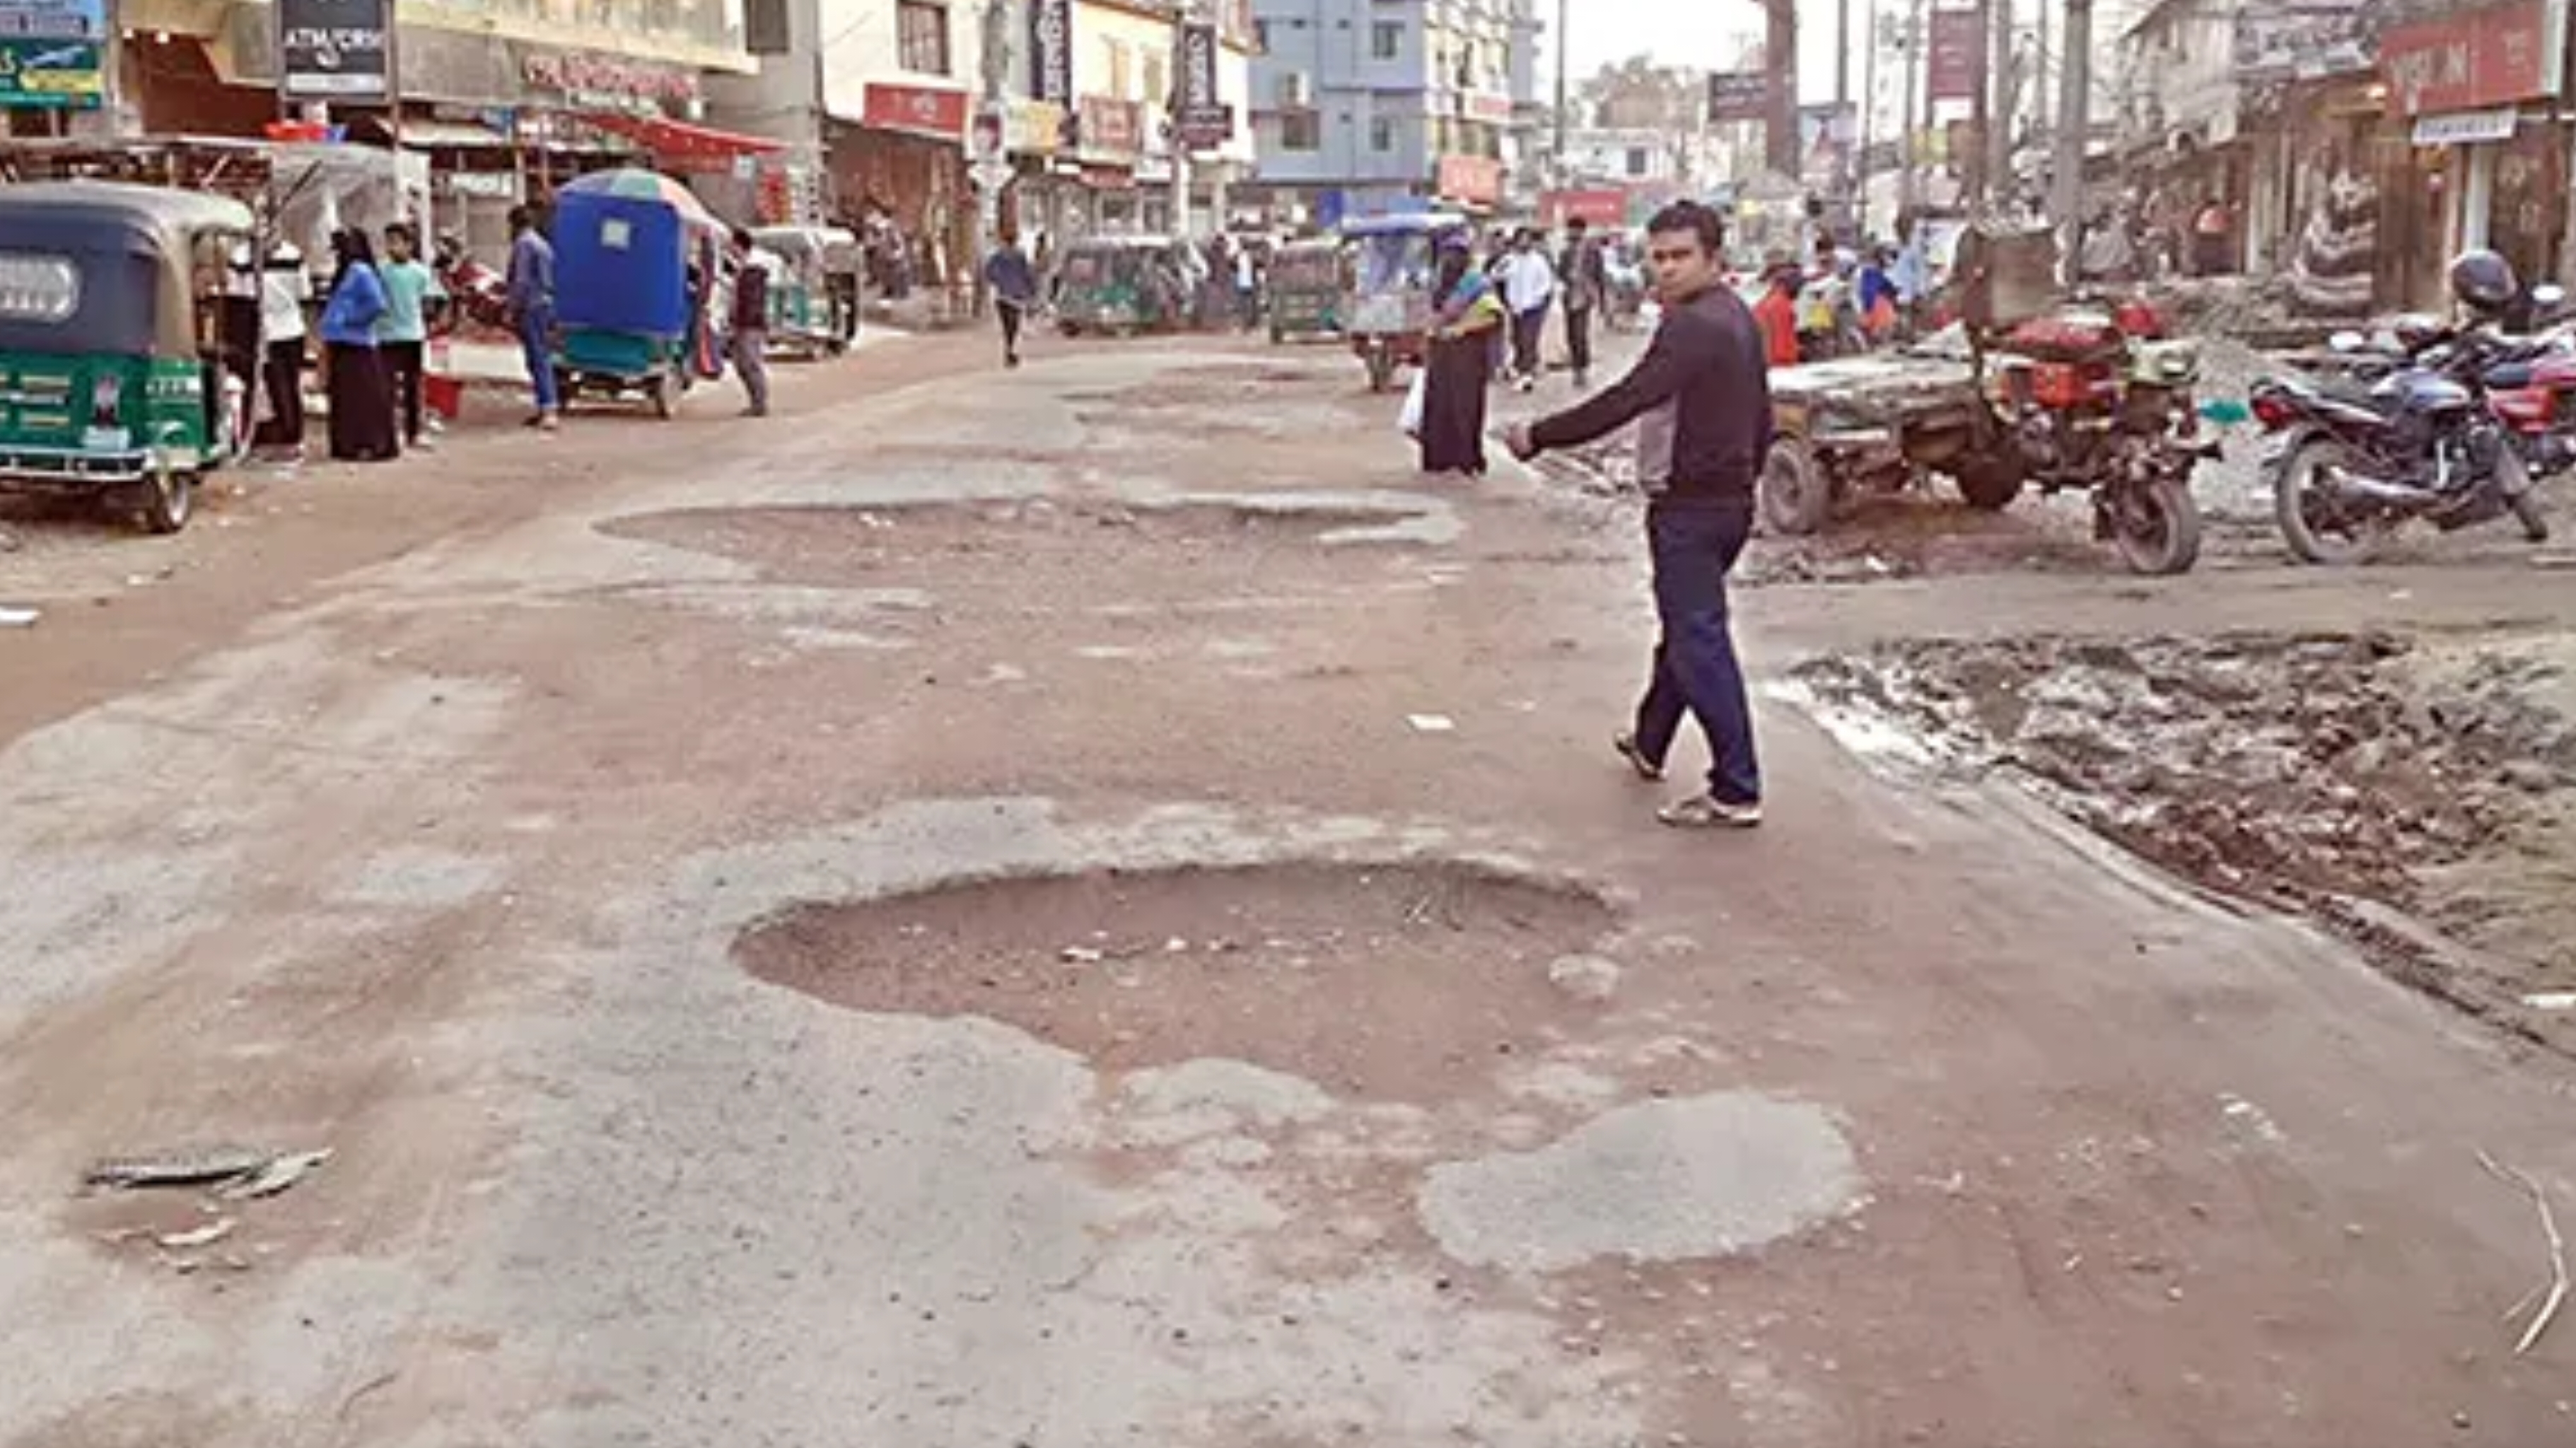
x: 1702, y: 33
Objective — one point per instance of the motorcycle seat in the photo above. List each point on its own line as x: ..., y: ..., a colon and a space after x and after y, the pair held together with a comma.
x: 2356, y: 393
x: 2511, y: 377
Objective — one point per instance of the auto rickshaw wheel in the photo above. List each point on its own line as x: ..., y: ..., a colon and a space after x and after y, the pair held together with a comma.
x: 168, y: 500
x: 658, y: 392
x: 1797, y: 488
x: 1381, y: 369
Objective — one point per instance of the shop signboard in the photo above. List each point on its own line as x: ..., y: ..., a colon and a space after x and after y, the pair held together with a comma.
x: 1033, y: 128
x: 1476, y: 180
x: 2285, y: 40
x: 2467, y: 128
x: 1112, y: 127
x: 609, y: 82
x: 335, y: 50
x: 915, y: 110
x: 51, y: 54
x: 1738, y: 95
x: 1051, y: 51
x: 1958, y: 61
x: 1597, y: 206
x: 2476, y: 60
x: 1201, y: 118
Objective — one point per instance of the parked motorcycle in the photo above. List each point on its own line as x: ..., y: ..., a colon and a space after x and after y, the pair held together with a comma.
x: 2085, y: 402
x: 475, y: 292
x: 2358, y: 460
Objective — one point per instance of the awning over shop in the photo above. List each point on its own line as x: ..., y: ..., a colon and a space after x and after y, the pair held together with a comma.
x: 679, y: 141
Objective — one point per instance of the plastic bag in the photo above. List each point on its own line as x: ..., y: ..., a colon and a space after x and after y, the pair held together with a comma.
x: 1410, y: 419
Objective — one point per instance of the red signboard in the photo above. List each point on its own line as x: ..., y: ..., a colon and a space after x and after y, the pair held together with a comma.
x: 1602, y: 206
x: 1958, y: 54
x: 2479, y: 60
x: 1474, y: 179
x: 921, y: 110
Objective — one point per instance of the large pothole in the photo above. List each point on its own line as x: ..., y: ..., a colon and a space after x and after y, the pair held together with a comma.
x: 1395, y: 982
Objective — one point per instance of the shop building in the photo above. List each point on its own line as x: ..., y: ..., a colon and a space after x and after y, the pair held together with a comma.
x: 874, y: 98
x: 1366, y: 105
x: 2477, y: 90
x: 507, y: 98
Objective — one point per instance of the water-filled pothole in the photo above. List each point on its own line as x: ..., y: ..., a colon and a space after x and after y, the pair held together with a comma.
x: 831, y: 546
x: 1399, y: 982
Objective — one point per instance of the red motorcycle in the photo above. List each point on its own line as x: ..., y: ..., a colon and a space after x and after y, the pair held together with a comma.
x: 475, y: 292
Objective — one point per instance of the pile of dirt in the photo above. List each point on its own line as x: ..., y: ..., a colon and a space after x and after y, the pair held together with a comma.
x: 2322, y: 772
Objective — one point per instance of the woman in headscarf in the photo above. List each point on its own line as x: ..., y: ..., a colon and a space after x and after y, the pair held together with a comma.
x: 362, y: 402
x: 1458, y: 365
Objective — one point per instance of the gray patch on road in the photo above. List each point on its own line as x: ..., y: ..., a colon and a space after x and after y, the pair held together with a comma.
x: 420, y: 878
x: 1703, y: 1176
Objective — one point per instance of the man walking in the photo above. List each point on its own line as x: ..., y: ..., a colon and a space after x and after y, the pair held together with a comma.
x: 1014, y: 285
x: 1585, y: 276
x: 1528, y: 288
x: 532, y: 310
x: 1702, y: 404
x: 750, y: 320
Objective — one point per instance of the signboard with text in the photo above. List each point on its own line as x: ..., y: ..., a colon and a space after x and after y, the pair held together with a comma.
x: 1201, y: 117
x: 62, y: 75
x: 915, y: 109
x: 1051, y: 51
x: 334, y: 50
x: 1738, y: 95
x: 1476, y: 180
x: 1958, y: 60
x: 2475, y: 60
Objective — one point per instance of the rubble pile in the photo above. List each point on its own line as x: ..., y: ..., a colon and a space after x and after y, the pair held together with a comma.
x: 2296, y: 770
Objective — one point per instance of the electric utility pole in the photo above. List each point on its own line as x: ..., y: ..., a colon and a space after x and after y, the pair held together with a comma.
x: 1562, y: 41
x: 2074, y: 123
x: 1780, y: 57
x: 1999, y: 111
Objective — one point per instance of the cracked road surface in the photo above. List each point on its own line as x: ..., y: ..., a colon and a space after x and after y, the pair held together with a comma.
x: 931, y: 921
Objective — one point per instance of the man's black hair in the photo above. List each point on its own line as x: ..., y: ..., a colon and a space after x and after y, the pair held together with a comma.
x: 1692, y: 217
x: 1577, y: 225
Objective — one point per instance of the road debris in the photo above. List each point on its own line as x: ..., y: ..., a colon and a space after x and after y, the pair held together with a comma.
x: 280, y: 1173
x: 2551, y: 1000
x: 1431, y: 723
x: 234, y: 1173
x: 1081, y: 955
x: 2556, y: 1291
x: 19, y: 617
x: 186, y: 1168
x: 1587, y: 978
x: 205, y: 1236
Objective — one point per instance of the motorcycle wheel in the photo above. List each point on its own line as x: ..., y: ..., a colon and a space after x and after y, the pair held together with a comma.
x: 2524, y: 499
x: 2158, y: 528
x: 2307, y: 523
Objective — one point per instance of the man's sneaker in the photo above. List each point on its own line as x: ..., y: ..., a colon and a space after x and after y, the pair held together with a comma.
x: 1708, y: 812
x: 1646, y: 769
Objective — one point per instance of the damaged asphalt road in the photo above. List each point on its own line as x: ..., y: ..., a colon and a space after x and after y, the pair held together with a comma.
x: 944, y: 931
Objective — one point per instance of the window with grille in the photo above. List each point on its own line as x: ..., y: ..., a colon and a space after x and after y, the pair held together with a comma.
x: 921, y: 36
x: 1301, y: 131
x: 1386, y: 39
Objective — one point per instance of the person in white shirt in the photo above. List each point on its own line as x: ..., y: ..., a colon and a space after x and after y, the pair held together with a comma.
x: 1529, y: 289
x: 284, y: 287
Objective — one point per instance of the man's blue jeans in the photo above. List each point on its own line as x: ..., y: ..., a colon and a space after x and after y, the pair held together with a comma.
x: 537, y: 342
x: 1694, y: 542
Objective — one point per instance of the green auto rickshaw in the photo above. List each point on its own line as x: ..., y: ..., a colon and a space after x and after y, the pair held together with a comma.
x: 1306, y: 282
x: 1124, y: 285
x: 117, y: 378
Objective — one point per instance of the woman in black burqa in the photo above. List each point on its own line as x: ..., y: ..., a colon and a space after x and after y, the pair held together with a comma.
x: 1458, y: 367
x: 362, y: 401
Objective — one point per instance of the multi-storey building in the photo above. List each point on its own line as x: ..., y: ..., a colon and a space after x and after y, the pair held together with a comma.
x: 1371, y: 105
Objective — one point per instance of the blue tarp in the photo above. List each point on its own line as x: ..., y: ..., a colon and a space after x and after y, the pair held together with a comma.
x: 620, y: 264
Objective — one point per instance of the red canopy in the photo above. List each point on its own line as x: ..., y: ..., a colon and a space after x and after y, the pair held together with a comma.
x: 679, y: 142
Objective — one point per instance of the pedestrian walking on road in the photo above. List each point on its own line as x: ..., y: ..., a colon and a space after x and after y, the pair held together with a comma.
x: 362, y: 406
x: 532, y: 311
x: 1701, y: 400
x: 1458, y: 364
x: 751, y: 322
x: 1585, y: 279
x: 285, y: 286
x: 1529, y: 289
x: 1014, y: 283
x: 402, y: 334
